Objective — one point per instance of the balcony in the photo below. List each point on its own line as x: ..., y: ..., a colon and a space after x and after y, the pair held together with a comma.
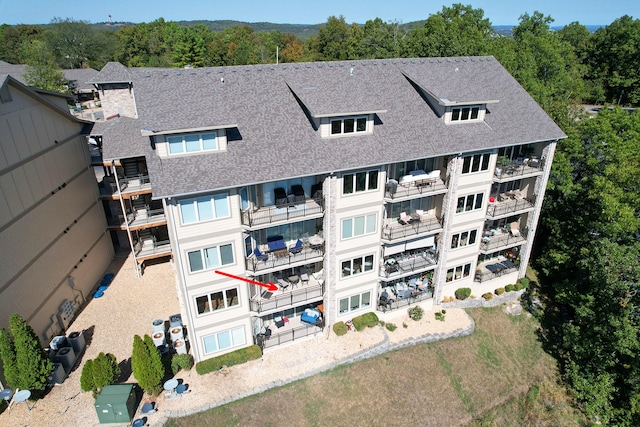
x: 509, y: 206
x: 310, y: 208
x: 280, y: 259
x: 501, y: 239
x: 402, y: 294
x: 291, y: 331
x: 128, y: 187
x: 293, y: 295
x: 407, y: 263
x: 399, y: 192
x: 494, y: 268
x: 419, y: 224
x: 151, y: 248
x: 120, y: 222
x: 147, y: 217
x: 520, y: 168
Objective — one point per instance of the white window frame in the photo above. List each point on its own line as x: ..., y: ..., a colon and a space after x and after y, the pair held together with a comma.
x: 464, y: 270
x: 227, y: 304
x: 203, y: 260
x: 184, y: 138
x: 235, y: 340
x: 471, y: 239
x: 484, y: 160
x: 342, y: 125
x: 196, y: 200
x: 465, y: 116
x: 350, y: 269
x: 475, y: 198
x: 367, y: 218
x: 367, y: 184
x: 350, y: 308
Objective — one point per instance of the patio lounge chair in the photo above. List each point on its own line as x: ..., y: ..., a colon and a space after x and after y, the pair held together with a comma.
x: 281, y: 197
x: 260, y: 256
x: 515, y: 229
x: 297, y: 248
x: 298, y: 193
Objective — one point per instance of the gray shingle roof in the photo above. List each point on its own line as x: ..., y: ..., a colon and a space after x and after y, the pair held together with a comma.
x: 277, y: 140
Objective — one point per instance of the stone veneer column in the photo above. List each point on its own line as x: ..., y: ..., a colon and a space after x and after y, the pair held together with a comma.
x: 538, y: 191
x: 118, y: 101
x: 330, y: 228
x: 448, y: 210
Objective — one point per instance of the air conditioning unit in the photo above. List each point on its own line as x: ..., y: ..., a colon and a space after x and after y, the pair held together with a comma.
x: 158, y: 325
x: 175, y: 320
x: 176, y: 333
x: 180, y: 346
x: 158, y: 338
x: 57, y: 375
x: 77, y: 342
x: 67, y: 357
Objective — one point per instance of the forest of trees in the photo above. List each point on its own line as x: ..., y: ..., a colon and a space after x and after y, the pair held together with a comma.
x: 588, y: 240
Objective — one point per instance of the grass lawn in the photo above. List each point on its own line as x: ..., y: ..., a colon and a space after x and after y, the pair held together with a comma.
x: 460, y: 381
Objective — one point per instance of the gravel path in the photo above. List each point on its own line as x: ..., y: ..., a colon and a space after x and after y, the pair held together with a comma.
x: 129, y: 306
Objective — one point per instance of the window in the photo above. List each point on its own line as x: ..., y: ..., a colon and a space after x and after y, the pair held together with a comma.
x: 348, y: 125
x: 192, y: 143
x: 355, y: 302
x: 356, y: 266
x: 208, y: 258
x: 465, y: 113
x: 223, y: 340
x: 472, y: 202
x: 359, y: 182
x: 204, y: 208
x: 459, y: 272
x: 217, y: 301
x: 465, y: 238
x: 358, y: 226
x: 475, y: 163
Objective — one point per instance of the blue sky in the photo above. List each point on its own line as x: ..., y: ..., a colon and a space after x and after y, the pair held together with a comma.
x: 499, y: 12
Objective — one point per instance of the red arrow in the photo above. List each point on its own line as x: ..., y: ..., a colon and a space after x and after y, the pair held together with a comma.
x: 271, y: 287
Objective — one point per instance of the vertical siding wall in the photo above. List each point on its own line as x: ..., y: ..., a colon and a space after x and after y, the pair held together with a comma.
x: 50, y: 220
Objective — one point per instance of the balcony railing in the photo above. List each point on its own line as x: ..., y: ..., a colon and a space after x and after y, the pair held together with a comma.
x: 501, y: 241
x: 284, y: 258
x: 509, y: 206
x: 120, y: 221
x: 401, y: 265
x: 140, y: 182
x: 518, y: 170
x: 289, y: 335
x: 404, y: 302
x: 279, y: 300
x: 147, y: 216
x: 151, y: 248
x: 272, y: 214
x: 393, y: 230
x: 494, y: 269
x: 397, y: 191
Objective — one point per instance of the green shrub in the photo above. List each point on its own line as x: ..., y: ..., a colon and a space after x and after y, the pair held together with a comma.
x: 524, y: 281
x: 487, y: 296
x: 181, y: 361
x: 86, y: 377
x: 237, y: 357
x: 365, y: 320
x: 440, y: 315
x: 444, y: 311
x: 340, y: 328
x: 518, y: 286
x: 499, y: 291
x: 146, y: 364
x: 390, y: 327
x: 463, y: 293
x: 416, y: 313
x: 509, y: 288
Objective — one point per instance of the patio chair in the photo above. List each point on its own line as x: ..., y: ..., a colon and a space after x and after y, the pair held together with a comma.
x: 304, y: 274
x: 298, y: 193
x: 260, y: 256
x: 297, y: 248
x: 515, y: 229
x: 404, y: 218
x: 282, y: 283
x: 281, y: 197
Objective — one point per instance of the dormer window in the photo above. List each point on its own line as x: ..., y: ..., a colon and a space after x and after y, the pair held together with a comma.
x: 467, y: 113
x: 348, y: 125
x: 191, y: 143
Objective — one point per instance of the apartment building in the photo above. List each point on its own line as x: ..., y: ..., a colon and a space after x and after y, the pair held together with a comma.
x: 353, y: 186
x: 53, y: 237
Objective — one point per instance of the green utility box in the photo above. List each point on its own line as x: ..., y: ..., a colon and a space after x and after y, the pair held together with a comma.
x: 116, y: 404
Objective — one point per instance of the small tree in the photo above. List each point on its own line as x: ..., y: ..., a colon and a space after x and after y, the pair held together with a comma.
x: 33, y: 365
x: 146, y: 364
x: 8, y: 356
x: 105, y: 370
x: 86, y: 378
